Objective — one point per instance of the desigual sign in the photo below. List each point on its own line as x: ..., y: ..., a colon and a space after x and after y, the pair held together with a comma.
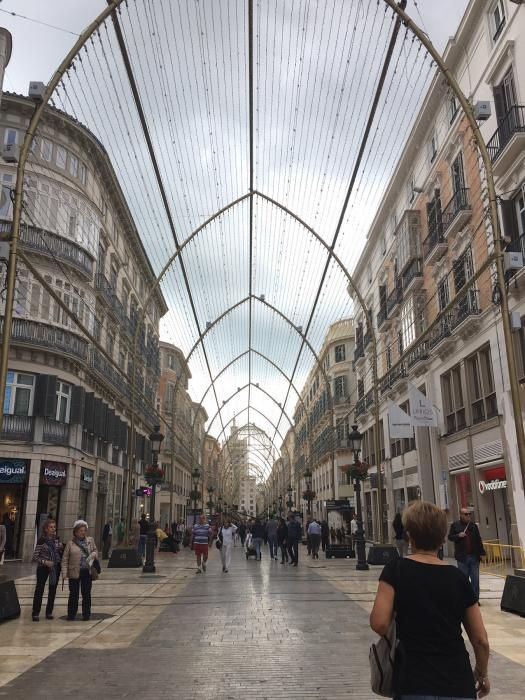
x: 492, y: 485
x: 13, y: 471
x: 53, y: 473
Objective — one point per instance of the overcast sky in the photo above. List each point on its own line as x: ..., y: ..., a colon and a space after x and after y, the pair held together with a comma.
x: 310, y: 109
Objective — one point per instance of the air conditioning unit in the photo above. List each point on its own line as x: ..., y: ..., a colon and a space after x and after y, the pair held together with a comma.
x: 512, y: 261
x: 11, y: 153
x: 36, y: 90
x: 482, y: 111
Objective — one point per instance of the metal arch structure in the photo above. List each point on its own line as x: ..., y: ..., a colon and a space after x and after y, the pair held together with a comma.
x: 493, y: 214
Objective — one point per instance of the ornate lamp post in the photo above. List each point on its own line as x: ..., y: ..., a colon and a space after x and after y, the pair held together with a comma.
x: 153, y: 476
x: 274, y: 508
x: 357, y: 472
x: 280, y: 506
x: 289, y: 494
x: 308, y: 494
x: 195, y: 494
x: 210, y: 502
x: 219, y: 505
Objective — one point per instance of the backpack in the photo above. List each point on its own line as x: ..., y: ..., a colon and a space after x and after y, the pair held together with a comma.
x: 382, y: 656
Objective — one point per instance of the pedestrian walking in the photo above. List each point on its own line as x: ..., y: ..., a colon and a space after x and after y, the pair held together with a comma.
x: 107, y: 537
x: 271, y: 534
x: 399, y: 531
x: 314, y: 533
x: 325, y: 535
x: 134, y: 535
x: 242, y: 533
x: 79, y: 566
x: 144, y: 527
x: 257, y: 531
x: 282, y: 538
x: 293, y: 539
x: 120, y: 531
x: 353, y: 531
x: 47, y: 556
x: 200, y: 542
x: 308, y: 542
x: 468, y: 546
x: 226, y: 536
x: 431, y: 600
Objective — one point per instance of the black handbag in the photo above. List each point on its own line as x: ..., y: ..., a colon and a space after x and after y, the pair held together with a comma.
x: 96, y: 566
x: 218, y: 541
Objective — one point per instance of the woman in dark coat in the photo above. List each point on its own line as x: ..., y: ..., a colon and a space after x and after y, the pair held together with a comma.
x: 47, y: 555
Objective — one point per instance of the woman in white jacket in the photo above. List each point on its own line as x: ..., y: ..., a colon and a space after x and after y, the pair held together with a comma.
x: 226, y: 535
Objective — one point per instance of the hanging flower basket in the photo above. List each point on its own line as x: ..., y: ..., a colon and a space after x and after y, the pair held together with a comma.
x: 210, y: 505
x: 309, y: 495
x: 153, y: 475
x: 358, y: 471
x: 195, y: 495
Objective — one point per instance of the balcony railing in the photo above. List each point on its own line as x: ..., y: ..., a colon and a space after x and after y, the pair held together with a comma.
x: 513, y: 123
x: 17, y: 428
x: 52, y: 245
x: 103, y: 286
x: 381, y: 317
x: 458, y: 204
x: 359, y: 351
x: 52, y: 337
x: 419, y: 354
x: 56, y: 432
x: 434, y: 239
x: 394, y: 298
x: 392, y: 377
x: 414, y: 271
x: 465, y: 308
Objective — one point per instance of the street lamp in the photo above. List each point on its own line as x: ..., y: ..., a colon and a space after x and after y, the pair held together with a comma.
x: 308, y: 494
x: 280, y: 506
x: 289, y: 502
x: 219, y: 505
x: 274, y: 508
x: 357, y: 472
x: 194, y: 495
x: 210, y: 503
x: 153, y: 475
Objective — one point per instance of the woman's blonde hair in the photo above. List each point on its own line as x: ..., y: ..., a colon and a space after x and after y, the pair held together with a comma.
x: 426, y: 524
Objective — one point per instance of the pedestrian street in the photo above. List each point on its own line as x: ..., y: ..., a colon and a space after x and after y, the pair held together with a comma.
x: 262, y: 631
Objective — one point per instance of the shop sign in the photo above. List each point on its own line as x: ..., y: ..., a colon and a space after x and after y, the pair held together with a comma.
x: 339, y: 504
x: 492, y: 485
x: 13, y: 471
x: 53, y: 473
x: 87, y: 477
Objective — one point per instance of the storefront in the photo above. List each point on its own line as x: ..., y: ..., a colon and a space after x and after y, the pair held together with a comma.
x: 13, y: 479
x: 87, y: 477
x: 53, y: 476
x: 492, y: 486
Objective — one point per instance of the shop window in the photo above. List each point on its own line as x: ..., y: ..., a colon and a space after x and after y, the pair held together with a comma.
x: 340, y: 353
x: 482, y: 393
x: 63, y: 401
x: 453, y: 400
x: 19, y: 391
x: 464, y: 491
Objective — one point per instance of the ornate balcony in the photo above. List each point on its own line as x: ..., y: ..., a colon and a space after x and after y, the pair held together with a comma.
x: 413, y: 277
x: 51, y: 245
x: 41, y: 335
x: 17, y: 428
x: 392, y: 378
x: 434, y: 246
x: 419, y: 358
x: 457, y: 213
x: 383, y: 322
x: 359, y: 352
x: 395, y: 298
x: 55, y: 432
x: 508, y: 142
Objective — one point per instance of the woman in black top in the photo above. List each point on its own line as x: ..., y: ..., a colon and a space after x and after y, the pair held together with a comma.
x: 431, y: 600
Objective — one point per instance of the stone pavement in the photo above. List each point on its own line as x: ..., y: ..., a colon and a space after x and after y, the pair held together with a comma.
x: 263, y: 631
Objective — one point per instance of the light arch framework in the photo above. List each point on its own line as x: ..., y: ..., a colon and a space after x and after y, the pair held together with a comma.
x: 399, y: 9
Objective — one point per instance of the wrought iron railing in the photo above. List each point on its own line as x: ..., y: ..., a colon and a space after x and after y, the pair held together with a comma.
x: 52, y: 337
x: 413, y: 270
x: 17, y: 428
x: 55, y: 431
x: 459, y: 202
x: 434, y: 238
x: 382, y: 316
x: 395, y: 297
x: 513, y: 123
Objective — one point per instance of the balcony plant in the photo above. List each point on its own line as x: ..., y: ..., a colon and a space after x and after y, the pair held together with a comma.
x: 153, y: 474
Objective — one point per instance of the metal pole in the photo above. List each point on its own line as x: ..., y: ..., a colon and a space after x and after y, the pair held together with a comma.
x: 149, y: 565
x: 361, y: 564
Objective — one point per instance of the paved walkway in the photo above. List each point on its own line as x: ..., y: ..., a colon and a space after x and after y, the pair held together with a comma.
x: 263, y: 631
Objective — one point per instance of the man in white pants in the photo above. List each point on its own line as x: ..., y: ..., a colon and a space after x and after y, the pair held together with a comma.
x: 226, y: 535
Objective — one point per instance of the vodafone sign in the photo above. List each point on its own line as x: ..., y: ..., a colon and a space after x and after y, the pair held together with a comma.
x: 492, y: 485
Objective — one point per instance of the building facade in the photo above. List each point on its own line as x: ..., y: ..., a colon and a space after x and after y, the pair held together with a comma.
x: 429, y: 239
x: 64, y: 446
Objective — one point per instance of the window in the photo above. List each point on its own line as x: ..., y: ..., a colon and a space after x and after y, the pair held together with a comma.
x: 73, y: 165
x: 452, y: 107
x: 458, y: 176
x: 340, y: 353
x: 463, y: 269
x: 82, y: 173
x: 432, y: 147
x: 61, y: 157
x: 408, y: 322
x: 453, y: 401
x: 434, y: 217
x: 505, y: 96
x: 388, y: 356
x: 10, y: 137
x: 63, y: 401
x: 46, y: 150
x: 340, y: 387
x: 480, y: 379
x: 5, y: 196
x: 497, y: 19
x: 443, y: 293
x: 18, y: 399
x: 369, y: 274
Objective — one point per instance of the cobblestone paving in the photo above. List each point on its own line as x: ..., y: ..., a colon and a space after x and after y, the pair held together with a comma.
x: 263, y: 631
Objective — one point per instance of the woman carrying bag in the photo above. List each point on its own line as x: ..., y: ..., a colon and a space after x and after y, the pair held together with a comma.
x: 428, y: 601
x: 80, y: 565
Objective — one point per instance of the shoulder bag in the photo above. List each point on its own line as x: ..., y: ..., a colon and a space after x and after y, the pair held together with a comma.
x: 382, y: 655
x: 218, y: 541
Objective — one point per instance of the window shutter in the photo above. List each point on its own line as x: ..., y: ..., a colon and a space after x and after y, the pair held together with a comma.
x: 101, y: 410
x: 110, y: 420
x: 123, y: 443
x: 76, y: 414
x: 45, y: 396
x: 499, y: 102
x: 89, y: 412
